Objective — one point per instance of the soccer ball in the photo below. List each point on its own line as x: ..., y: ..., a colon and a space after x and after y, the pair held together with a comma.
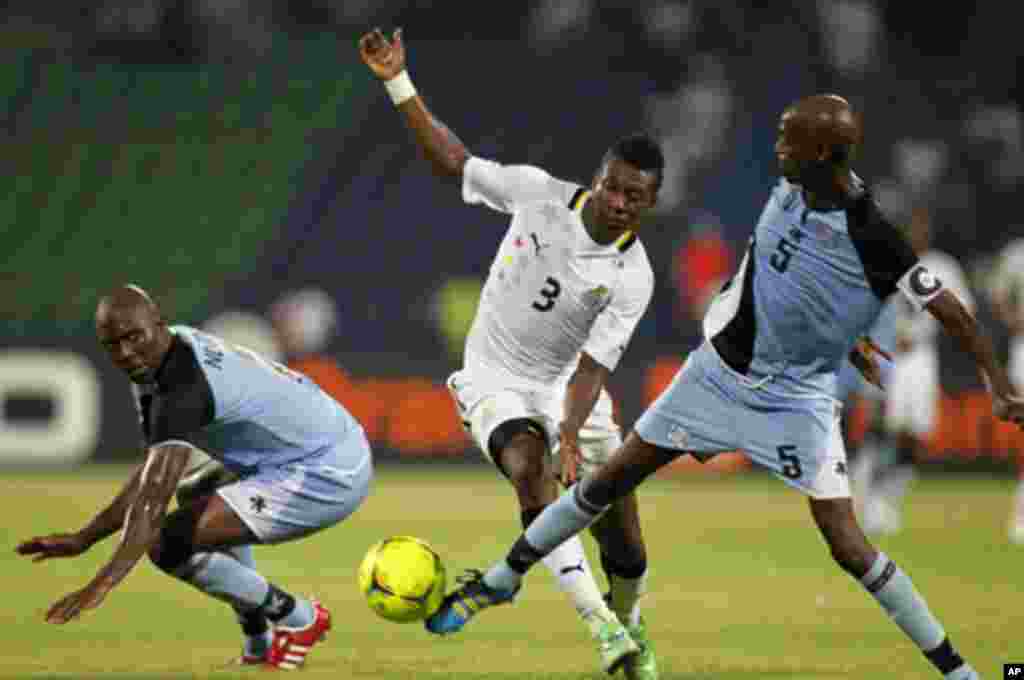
x: 402, y: 579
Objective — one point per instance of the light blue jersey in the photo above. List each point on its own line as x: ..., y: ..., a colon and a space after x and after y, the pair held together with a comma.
x: 241, y: 408
x: 809, y: 285
x: 764, y: 382
x: 883, y: 332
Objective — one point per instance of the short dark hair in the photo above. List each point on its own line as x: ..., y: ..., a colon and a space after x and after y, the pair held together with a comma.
x: 642, y: 151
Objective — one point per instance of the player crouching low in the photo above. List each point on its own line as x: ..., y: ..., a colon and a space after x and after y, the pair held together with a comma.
x: 298, y: 463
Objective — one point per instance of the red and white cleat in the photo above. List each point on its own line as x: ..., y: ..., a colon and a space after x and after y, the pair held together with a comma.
x: 243, y: 660
x: 291, y: 645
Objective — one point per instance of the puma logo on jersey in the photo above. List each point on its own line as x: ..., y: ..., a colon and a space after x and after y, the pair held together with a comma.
x: 571, y: 568
x: 537, y: 244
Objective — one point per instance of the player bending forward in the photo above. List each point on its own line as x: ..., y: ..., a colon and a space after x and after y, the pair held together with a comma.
x: 568, y: 285
x: 821, y: 262
x: 302, y: 464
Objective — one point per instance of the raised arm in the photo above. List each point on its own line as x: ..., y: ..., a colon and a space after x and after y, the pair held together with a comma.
x: 387, y: 61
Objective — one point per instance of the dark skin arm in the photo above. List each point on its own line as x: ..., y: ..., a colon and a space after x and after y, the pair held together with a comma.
x: 864, y: 356
x: 143, y: 521
x: 107, y: 522
x: 440, y: 145
x: 580, y: 396
x: 972, y: 339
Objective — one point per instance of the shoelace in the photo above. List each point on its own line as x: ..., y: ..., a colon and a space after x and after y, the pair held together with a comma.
x: 470, y: 576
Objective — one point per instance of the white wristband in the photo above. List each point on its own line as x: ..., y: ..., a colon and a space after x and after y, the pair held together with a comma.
x: 400, y: 88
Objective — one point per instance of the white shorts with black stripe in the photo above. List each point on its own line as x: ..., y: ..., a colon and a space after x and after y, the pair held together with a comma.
x: 483, y: 407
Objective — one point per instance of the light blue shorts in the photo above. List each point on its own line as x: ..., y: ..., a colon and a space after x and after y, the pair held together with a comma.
x: 709, y: 408
x: 286, y: 502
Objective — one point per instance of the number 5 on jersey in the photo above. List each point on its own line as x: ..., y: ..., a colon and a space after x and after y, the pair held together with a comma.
x: 549, y: 292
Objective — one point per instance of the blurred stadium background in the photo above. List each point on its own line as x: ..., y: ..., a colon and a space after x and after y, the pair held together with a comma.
x: 235, y: 158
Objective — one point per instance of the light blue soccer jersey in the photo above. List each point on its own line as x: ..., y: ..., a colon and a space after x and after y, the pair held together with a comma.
x: 241, y: 408
x: 809, y: 285
x: 849, y: 380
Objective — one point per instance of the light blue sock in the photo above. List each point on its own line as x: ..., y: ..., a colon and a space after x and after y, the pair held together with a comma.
x: 301, y: 616
x: 255, y: 626
x: 225, y: 578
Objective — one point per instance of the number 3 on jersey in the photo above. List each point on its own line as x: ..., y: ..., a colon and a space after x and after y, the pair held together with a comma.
x: 551, y: 290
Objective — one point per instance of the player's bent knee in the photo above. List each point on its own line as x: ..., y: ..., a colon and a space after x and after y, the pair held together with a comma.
x: 510, y: 430
x: 517, y: 447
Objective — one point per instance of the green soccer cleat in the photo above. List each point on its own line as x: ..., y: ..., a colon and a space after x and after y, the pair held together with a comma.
x: 615, y: 645
x: 643, y: 666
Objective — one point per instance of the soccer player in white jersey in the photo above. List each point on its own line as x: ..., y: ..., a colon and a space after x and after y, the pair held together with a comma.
x: 913, y: 391
x: 821, y: 262
x: 299, y: 463
x: 564, y: 294
x: 1007, y: 294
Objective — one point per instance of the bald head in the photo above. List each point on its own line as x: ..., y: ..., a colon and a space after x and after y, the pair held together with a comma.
x: 828, y: 119
x: 131, y: 329
x: 818, y: 137
x: 128, y: 298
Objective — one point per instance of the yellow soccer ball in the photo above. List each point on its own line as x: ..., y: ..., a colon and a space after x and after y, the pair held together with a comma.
x: 402, y: 579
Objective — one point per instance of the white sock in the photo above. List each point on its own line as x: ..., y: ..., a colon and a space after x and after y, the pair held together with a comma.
x: 568, y: 564
x: 625, y: 597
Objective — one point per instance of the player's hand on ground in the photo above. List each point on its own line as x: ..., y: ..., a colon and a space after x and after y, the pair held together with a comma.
x: 569, y: 453
x: 1009, y: 408
x: 71, y: 606
x: 54, y: 545
x: 385, y: 58
x: 865, y: 356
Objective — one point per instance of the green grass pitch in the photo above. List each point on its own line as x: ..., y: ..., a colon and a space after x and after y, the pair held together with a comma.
x: 742, y: 587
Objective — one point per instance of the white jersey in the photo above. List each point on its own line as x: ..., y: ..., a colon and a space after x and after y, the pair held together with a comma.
x: 1006, y: 281
x: 919, y: 326
x: 552, y: 292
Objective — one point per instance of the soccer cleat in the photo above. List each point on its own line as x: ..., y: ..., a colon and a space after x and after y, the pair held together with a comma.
x: 465, y: 602
x: 243, y: 660
x: 291, y: 645
x: 615, y: 645
x: 642, y: 666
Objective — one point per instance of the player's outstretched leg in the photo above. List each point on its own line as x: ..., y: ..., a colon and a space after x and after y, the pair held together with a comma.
x: 520, y: 449
x: 888, y: 584
x: 574, y: 511
x: 624, y: 561
x: 191, y: 548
